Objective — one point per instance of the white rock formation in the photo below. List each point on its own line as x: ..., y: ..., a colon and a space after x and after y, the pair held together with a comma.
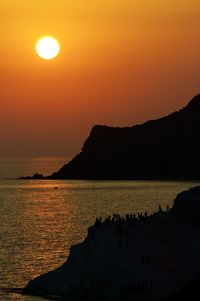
x: 146, y: 257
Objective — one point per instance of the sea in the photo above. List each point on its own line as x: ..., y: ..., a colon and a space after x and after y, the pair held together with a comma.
x: 41, y: 219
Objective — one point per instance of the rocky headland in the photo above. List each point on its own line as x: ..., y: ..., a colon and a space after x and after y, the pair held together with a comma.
x: 167, y: 148
x: 136, y: 257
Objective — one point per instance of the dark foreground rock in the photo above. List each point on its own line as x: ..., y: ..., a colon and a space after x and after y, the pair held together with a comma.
x: 166, y: 148
x: 190, y: 292
x: 137, y: 257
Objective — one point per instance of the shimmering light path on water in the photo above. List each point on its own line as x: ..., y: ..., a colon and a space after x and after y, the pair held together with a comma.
x: 40, y: 220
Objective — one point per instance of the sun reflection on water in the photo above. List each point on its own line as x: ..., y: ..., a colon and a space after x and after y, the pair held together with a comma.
x: 40, y: 223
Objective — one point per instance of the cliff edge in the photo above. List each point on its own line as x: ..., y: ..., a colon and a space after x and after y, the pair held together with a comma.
x: 136, y: 257
x: 167, y: 148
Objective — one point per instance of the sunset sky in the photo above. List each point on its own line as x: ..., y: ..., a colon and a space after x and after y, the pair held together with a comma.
x: 121, y: 63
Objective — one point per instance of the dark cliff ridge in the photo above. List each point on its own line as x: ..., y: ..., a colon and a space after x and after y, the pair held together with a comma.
x: 138, y: 257
x: 166, y: 148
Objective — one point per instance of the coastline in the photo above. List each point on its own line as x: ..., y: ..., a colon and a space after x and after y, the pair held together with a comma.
x: 133, y: 256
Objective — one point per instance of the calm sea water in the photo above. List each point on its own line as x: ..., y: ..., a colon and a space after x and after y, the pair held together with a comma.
x: 40, y: 220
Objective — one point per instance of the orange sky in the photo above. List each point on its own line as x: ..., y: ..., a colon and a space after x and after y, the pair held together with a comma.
x: 121, y: 63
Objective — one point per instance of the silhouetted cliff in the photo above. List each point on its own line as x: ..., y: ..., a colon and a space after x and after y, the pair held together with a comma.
x: 166, y: 148
x: 137, y: 257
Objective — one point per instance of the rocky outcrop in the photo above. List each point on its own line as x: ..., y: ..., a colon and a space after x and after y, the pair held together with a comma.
x: 166, y: 148
x: 137, y: 257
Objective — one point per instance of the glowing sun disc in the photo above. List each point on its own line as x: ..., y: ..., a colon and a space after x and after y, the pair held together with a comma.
x: 47, y: 48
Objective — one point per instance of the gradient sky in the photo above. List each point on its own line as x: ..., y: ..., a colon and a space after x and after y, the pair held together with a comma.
x: 121, y: 63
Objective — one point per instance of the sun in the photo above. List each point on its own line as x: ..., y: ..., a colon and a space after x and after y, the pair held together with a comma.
x: 47, y: 48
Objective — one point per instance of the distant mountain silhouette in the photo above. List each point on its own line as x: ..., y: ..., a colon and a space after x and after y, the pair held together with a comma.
x: 166, y: 148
